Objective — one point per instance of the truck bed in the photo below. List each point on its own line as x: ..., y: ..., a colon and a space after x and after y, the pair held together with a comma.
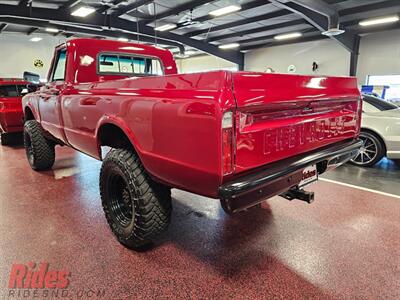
x: 174, y: 121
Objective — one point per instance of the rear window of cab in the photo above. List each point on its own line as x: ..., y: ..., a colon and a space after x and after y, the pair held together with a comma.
x: 131, y: 65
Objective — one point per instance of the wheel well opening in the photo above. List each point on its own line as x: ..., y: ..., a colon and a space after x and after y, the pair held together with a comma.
x: 28, y: 114
x: 377, y: 136
x: 112, y: 136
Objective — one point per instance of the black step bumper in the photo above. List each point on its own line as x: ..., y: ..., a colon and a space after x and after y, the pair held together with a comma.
x: 276, y: 178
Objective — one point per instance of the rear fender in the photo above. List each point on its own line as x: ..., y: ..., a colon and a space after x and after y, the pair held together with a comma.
x: 118, y: 122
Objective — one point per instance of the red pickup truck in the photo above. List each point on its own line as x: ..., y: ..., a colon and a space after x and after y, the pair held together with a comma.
x: 241, y: 137
x: 11, y: 114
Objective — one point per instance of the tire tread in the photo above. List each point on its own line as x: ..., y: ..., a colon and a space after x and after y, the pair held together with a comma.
x: 153, y: 204
x: 44, y: 152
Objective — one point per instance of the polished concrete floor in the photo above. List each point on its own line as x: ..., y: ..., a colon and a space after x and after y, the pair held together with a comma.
x: 345, y: 245
x: 384, y: 176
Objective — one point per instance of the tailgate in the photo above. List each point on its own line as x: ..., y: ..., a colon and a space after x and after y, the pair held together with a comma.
x: 279, y: 115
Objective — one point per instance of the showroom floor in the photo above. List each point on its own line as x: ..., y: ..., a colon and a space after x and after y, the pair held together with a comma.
x: 344, y: 245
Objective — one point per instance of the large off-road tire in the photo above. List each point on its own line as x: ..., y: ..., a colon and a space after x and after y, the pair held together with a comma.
x: 5, y: 139
x: 136, y: 208
x: 39, y: 150
x: 372, y: 151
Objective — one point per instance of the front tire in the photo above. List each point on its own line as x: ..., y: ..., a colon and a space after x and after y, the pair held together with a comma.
x: 39, y: 150
x: 371, y: 152
x: 137, y: 209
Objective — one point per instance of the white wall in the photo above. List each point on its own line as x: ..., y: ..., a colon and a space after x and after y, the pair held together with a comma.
x: 331, y: 57
x: 203, y: 63
x: 18, y: 54
x: 379, y: 55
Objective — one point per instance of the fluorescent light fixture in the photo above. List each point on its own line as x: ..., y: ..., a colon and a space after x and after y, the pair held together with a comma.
x: 229, y: 46
x: 225, y: 10
x: 122, y: 39
x: 378, y: 21
x: 165, y: 27
x: 48, y: 29
x: 287, y: 36
x: 83, y: 11
x: 36, y: 39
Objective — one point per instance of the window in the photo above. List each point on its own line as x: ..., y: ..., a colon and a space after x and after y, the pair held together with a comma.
x: 7, y: 91
x: 125, y: 64
x: 372, y: 104
x: 109, y: 64
x: 59, y: 70
x: 392, y: 81
x: 129, y: 65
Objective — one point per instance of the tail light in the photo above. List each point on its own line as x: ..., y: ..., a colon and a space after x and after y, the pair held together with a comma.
x: 227, y: 143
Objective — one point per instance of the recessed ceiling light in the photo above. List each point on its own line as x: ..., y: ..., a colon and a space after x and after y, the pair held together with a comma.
x: 36, y: 39
x: 225, y: 10
x: 51, y: 29
x: 287, y: 36
x: 165, y: 27
x: 378, y: 21
x: 229, y: 46
x: 83, y: 11
x: 122, y: 39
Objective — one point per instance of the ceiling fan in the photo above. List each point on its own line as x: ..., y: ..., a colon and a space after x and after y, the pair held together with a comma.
x: 188, y: 21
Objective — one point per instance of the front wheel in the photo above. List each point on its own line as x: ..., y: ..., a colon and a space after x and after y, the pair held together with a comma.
x: 39, y: 150
x: 136, y: 208
x: 371, y: 152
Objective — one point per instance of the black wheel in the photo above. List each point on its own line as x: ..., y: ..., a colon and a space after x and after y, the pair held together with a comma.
x: 136, y: 208
x: 5, y: 139
x: 39, y: 151
x: 371, y: 152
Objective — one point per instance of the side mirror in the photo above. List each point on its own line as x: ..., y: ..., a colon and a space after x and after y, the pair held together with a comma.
x: 31, y: 77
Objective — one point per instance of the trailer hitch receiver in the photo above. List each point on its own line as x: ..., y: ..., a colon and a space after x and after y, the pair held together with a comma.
x: 298, y: 193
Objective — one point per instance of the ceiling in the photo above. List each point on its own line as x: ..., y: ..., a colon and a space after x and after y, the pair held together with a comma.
x: 254, y: 26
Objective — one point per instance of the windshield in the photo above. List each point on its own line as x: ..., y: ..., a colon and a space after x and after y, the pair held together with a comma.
x: 379, y: 104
